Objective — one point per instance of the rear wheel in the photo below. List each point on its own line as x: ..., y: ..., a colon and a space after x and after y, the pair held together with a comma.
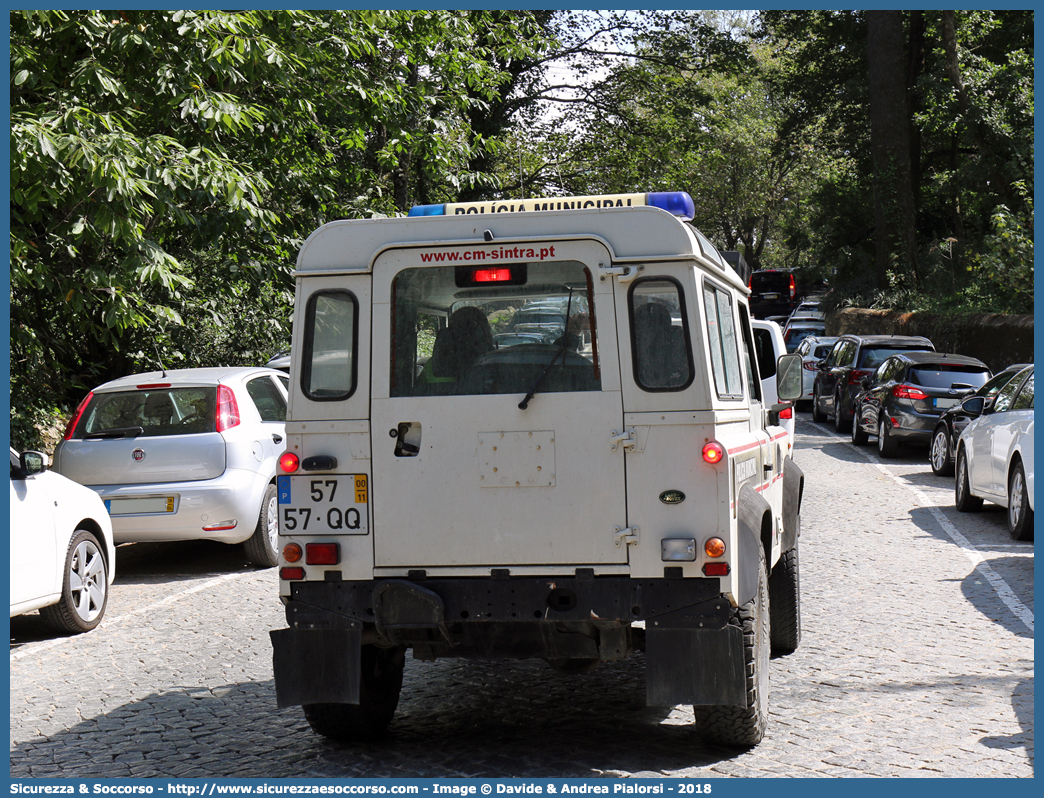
x: 745, y: 725
x: 886, y: 444
x: 1020, y: 516
x: 85, y: 587
x: 840, y: 423
x: 939, y: 455
x: 962, y: 498
x: 785, y: 603
x: 381, y: 682
x: 859, y: 435
x: 817, y: 414
x: 263, y: 546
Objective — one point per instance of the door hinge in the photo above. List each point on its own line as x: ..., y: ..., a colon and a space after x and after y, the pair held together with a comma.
x: 628, y: 536
x: 627, y: 438
x: 624, y: 274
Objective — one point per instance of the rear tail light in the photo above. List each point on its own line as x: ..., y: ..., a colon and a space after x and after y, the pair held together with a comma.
x: 716, y: 569
x: 322, y: 554
x: 289, y: 462
x: 714, y: 547
x: 713, y: 453
x: 793, y: 287
x: 810, y: 365
x: 221, y: 526
x: 855, y: 376
x: 908, y: 392
x: 76, y: 416
x: 788, y: 412
x: 291, y: 574
x: 227, y: 409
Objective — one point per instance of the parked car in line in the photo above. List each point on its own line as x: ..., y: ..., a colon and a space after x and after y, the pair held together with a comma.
x: 840, y: 375
x: 186, y: 454
x: 903, y: 399
x: 773, y: 292
x: 62, y: 556
x: 812, y: 349
x: 797, y: 330
x: 995, y: 455
x: 768, y: 347
x: 953, y: 421
x: 807, y: 309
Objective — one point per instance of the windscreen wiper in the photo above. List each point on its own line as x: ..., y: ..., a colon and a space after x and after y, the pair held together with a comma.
x: 560, y: 352
x: 116, y: 432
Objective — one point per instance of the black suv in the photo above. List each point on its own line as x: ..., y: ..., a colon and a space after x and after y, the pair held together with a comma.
x: 853, y: 357
x: 773, y: 292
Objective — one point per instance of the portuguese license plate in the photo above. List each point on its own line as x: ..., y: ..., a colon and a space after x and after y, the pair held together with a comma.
x: 771, y: 296
x: 945, y: 402
x: 323, y: 505
x: 137, y: 506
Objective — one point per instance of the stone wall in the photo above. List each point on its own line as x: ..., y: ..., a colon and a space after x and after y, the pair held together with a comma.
x: 995, y: 339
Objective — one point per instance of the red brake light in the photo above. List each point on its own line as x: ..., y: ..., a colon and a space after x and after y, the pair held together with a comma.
x: 148, y: 385
x: 908, y: 392
x: 76, y: 416
x: 713, y: 453
x: 716, y: 569
x: 289, y: 462
x: 787, y: 413
x: 227, y: 409
x: 322, y: 554
x: 793, y: 287
x: 291, y: 574
x: 491, y: 275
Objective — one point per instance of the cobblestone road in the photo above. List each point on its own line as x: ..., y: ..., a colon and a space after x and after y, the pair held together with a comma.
x: 916, y: 660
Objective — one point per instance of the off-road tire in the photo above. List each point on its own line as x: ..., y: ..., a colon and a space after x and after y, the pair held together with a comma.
x: 85, y: 587
x: 381, y: 674
x: 1020, y: 516
x: 262, y: 548
x: 744, y: 726
x: 785, y: 603
x: 887, y: 446
x: 962, y: 498
x: 939, y: 454
x: 817, y: 414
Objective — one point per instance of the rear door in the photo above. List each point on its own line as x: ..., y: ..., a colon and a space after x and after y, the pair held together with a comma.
x: 150, y: 434
x: 462, y: 475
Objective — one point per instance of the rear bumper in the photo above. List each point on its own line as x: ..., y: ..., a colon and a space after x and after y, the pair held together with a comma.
x: 694, y: 652
x: 234, y: 496
x: 913, y: 427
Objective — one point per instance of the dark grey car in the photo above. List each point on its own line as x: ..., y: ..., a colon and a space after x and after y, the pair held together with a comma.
x: 853, y: 357
x: 903, y: 400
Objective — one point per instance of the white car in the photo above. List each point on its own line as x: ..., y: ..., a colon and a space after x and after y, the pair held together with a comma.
x: 768, y: 341
x: 187, y: 454
x: 62, y: 554
x: 995, y: 455
x: 797, y: 330
x: 812, y: 349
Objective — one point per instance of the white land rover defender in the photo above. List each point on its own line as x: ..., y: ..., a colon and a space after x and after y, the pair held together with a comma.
x: 532, y: 429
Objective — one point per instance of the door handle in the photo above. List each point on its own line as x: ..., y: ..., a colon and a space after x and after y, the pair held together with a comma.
x: 277, y: 438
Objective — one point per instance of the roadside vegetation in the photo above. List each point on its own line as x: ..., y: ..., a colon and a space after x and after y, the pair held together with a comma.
x: 167, y: 165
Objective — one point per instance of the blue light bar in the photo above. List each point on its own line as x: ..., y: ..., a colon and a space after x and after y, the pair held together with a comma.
x: 676, y: 203
x: 427, y: 210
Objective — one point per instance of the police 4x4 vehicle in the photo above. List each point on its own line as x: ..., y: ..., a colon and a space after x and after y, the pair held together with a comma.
x: 460, y: 492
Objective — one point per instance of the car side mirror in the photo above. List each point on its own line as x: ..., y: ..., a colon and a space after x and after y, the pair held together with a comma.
x: 820, y: 363
x: 788, y: 378
x: 865, y: 382
x: 974, y: 406
x: 32, y: 463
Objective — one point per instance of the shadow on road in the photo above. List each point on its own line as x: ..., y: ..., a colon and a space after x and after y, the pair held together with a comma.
x: 455, y: 719
x: 153, y: 563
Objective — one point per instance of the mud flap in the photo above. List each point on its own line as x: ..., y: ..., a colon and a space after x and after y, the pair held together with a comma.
x: 316, y: 666
x: 751, y: 510
x: 793, y: 487
x: 695, y: 666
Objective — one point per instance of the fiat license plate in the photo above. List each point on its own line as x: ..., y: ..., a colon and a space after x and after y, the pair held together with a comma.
x: 323, y: 505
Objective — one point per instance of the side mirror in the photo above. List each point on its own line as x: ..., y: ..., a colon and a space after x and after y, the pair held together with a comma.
x: 32, y: 463
x: 788, y: 378
x: 974, y: 406
x: 820, y: 363
x: 865, y: 382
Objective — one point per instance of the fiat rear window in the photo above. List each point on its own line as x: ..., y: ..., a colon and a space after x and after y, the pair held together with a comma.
x: 149, y: 413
